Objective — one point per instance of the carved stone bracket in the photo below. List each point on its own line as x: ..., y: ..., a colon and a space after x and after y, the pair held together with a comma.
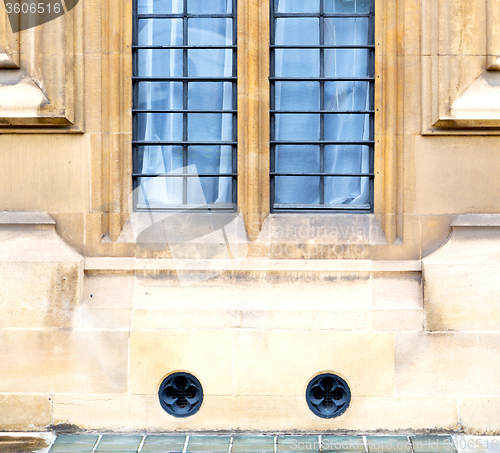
x: 460, y: 67
x: 462, y: 278
x: 41, y: 277
x: 41, y: 75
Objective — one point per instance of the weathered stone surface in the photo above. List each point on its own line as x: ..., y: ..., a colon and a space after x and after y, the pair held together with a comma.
x: 480, y: 415
x: 256, y: 413
x: 281, y: 363
x: 25, y: 412
x: 63, y: 361
x: 207, y: 354
x: 296, y: 306
x: 454, y: 364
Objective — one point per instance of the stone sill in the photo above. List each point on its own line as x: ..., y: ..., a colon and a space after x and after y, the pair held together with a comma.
x: 254, y: 264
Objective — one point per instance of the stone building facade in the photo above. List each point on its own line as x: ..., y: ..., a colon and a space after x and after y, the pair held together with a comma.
x: 402, y: 303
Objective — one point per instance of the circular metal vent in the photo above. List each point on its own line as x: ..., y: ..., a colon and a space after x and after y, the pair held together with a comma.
x: 181, y: 394
x: 328, y: 395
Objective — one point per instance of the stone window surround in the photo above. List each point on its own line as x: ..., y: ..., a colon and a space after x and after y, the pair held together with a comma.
x: 253, y: 126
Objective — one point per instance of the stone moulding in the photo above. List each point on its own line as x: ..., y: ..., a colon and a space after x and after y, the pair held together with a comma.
x: 460, y: 67
x: 389, y: 184
x: 41, y: 76
x: 116, y: 122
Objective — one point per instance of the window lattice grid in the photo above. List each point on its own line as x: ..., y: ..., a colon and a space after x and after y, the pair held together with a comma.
x: 184, y: 104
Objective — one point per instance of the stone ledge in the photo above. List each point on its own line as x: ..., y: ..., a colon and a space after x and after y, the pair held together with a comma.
x: 25, y: 218
x: 477, y: 220
x: 31, y: 237
x: 252, y: 264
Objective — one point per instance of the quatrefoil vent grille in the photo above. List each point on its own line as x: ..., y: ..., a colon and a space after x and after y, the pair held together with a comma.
x: 181, y: 394
x: 328, y: 395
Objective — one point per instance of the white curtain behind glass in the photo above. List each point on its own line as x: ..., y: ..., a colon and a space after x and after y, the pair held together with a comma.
x: 161, y: 159
x: 339, y: 96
